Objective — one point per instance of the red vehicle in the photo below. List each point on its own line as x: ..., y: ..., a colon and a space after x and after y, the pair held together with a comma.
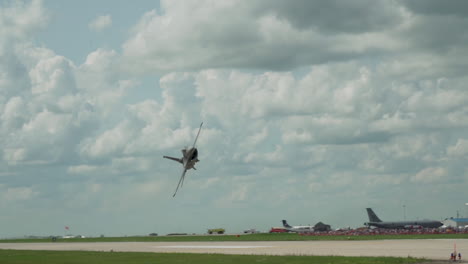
x: 278, y: 230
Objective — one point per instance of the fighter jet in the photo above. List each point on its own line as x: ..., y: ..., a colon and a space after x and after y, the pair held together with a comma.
x: 190, y: 157
x: 374, y: 220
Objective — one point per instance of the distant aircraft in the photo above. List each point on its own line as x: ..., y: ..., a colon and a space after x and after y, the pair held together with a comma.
x: 374, y: 220
x: 188, y: 160
x: 297, y: 229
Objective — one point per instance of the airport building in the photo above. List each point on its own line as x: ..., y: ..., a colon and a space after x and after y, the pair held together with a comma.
x: 456, y: 222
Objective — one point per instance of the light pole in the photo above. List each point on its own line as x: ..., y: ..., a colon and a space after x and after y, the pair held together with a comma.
x: 466, y: 210
x: 404, y: 212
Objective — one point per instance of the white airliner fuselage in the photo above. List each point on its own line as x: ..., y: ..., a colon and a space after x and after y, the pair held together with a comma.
x: 297, y: 229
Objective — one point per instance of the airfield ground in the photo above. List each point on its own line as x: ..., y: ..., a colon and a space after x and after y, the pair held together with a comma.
x: 433, y: 249
x: 90, y: 257
x: 243, y: 237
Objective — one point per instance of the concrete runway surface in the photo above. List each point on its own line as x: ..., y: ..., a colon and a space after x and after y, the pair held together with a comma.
x: 435, y: 249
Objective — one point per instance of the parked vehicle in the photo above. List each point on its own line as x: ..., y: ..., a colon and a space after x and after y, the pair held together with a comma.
x: 216, y: 231
x: 278, y: 230
x: 251, y: 231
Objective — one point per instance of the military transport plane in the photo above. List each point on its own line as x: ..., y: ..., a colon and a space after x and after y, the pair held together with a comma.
x: 188, y: 160
x: 374, y: 220
x: 297, y: 229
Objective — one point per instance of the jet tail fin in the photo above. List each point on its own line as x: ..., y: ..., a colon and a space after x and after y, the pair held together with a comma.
x: 285, y: 224
x: 372, y: 216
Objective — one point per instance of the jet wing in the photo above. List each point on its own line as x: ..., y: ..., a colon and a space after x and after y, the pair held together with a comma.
x: 181, y: 182
x: 197, y: 135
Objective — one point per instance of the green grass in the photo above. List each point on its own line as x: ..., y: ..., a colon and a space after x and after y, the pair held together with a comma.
x: 250, y: 237
x: 75, y: 257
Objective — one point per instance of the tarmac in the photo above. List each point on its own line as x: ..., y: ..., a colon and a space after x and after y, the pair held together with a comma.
x: 431, y: 249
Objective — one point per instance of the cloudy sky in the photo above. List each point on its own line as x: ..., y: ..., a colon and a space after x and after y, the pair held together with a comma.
x: 312, y: 111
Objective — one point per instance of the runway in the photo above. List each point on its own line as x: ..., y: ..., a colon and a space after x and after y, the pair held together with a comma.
x: 436, y: 249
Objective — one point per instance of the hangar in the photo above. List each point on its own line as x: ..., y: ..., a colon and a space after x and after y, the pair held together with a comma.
x: 456, y: 222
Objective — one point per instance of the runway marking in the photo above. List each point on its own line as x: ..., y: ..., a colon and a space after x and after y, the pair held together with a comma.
x: 209, y: 247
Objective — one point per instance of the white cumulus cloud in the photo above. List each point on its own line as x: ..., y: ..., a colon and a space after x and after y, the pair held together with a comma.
x: 256, y: 34
x: 460, y: 149
x: 100, y: 23
x: 297, y: 106
x: 430, y: 175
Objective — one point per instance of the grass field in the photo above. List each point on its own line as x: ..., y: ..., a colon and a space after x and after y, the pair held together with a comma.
x: 249, y: 237
x: 78, y: 257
